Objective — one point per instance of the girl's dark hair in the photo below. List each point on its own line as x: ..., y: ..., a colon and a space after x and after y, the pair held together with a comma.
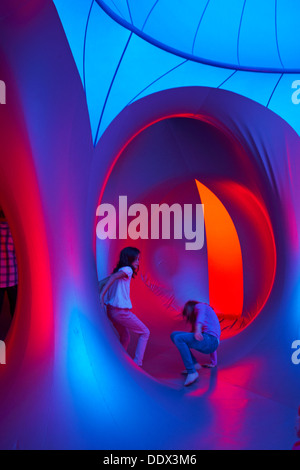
x: 127, y: 257
x: 189, y: 312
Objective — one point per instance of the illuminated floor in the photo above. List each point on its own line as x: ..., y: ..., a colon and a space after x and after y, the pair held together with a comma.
x: 232, y: 416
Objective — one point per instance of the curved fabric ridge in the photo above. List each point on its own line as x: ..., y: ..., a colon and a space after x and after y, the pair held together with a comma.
x: 207, y: 38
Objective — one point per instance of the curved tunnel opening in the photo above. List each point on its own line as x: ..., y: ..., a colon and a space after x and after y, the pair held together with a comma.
x: 32, y: 325
x: 187, y: 161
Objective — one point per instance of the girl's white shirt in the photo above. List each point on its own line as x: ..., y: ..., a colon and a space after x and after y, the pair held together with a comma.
x: 118, y: 294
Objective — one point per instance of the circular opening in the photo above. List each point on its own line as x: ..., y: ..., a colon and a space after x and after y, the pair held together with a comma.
x: 187, y: 162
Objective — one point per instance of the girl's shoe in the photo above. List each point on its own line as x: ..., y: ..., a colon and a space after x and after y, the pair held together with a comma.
x: 196, y: 365
x: 191, y: 378
x: 209, y: 365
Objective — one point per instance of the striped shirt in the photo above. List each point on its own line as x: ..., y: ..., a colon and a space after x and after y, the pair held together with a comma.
x: 8, y: 262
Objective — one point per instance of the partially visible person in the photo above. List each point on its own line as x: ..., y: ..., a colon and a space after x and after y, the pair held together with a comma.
x: 205, y: 337
x: 296, y: 446
x: 8, y: 265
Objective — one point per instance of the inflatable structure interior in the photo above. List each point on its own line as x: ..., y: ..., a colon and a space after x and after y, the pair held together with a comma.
x: 161, y: 101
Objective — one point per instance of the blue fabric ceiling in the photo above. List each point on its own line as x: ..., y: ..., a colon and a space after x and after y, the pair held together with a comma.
x: 128, y: 49
x: 241, y: 34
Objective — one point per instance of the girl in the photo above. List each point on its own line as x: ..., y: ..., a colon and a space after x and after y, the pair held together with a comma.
x: 205, y: 336
x: 119, y: 304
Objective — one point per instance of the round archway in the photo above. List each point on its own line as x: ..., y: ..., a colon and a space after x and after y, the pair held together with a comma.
x: 184, y: 161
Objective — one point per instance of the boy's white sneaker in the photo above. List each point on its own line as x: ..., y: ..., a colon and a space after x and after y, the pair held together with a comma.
x: 197, y: 367
x: 191, y: 378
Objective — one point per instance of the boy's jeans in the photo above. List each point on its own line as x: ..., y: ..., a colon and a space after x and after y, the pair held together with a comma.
x: 185, y: 341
